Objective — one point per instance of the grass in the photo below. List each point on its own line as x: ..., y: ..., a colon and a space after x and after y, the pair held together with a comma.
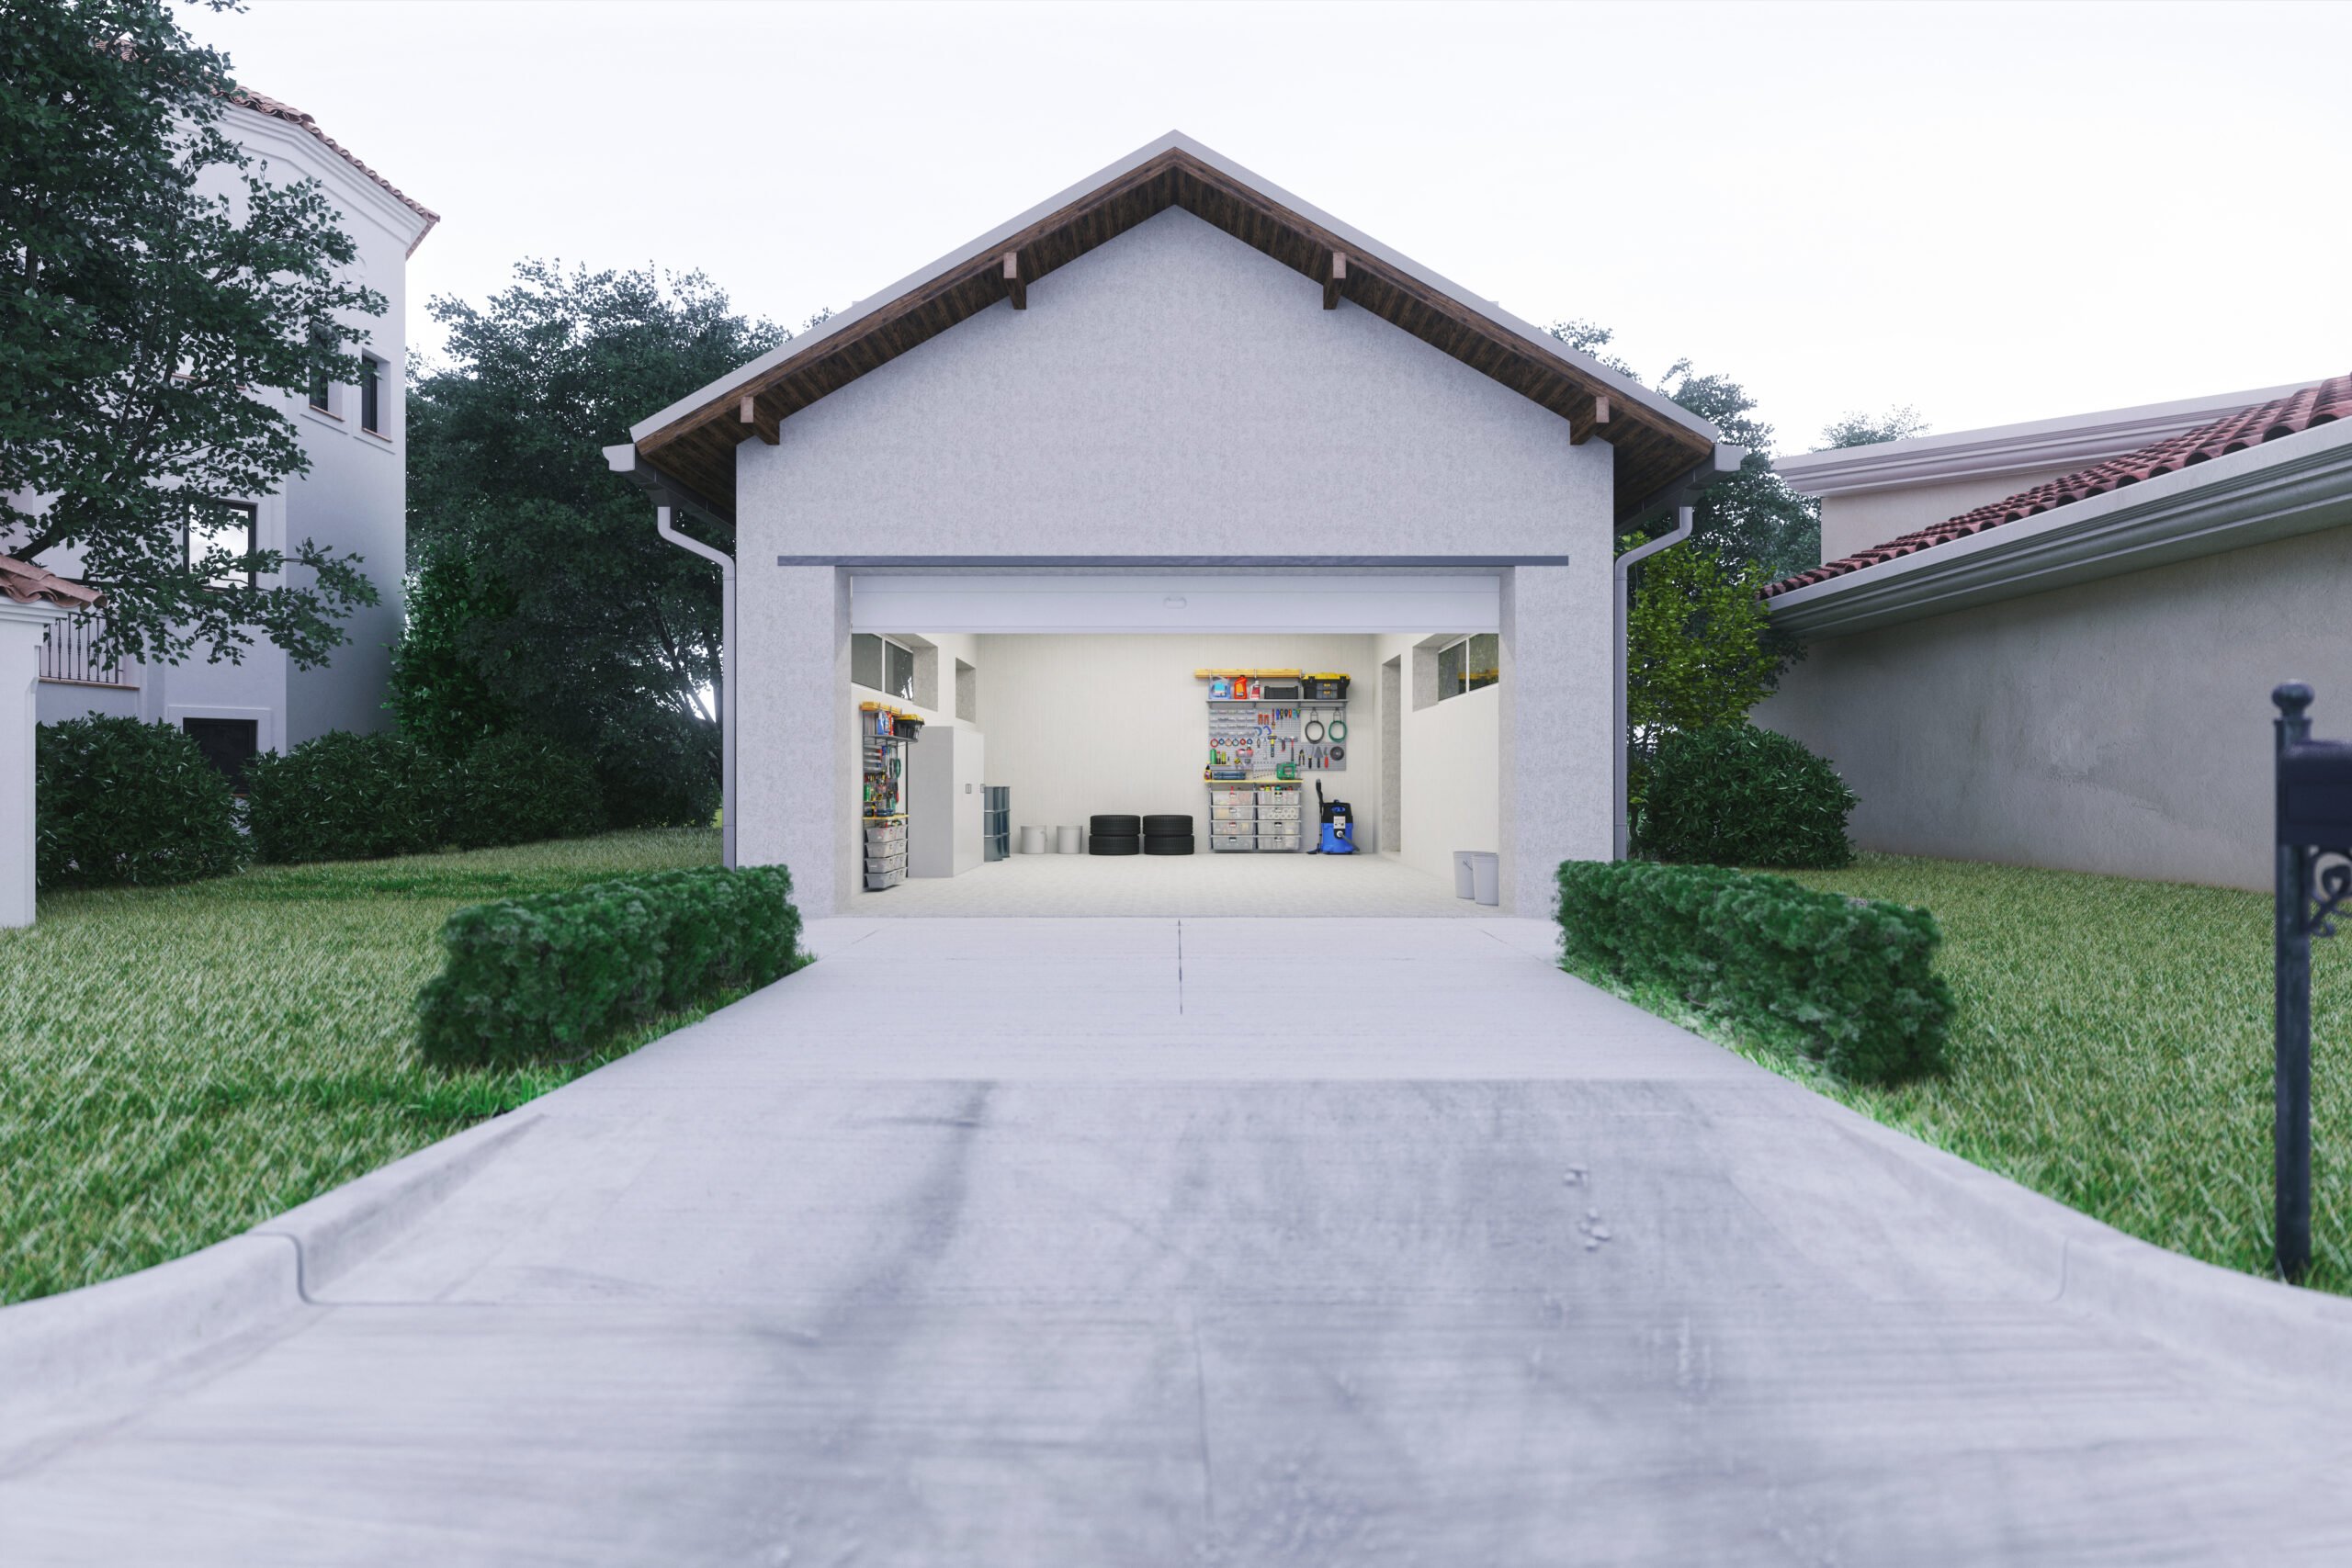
x: 2113, y: 1049
x: 179, y: 1063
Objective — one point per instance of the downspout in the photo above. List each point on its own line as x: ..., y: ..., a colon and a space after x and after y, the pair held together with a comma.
x: 1623, y: 599
x: 726, y: 564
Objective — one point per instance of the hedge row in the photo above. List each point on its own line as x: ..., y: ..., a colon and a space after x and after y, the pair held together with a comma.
x: 345, y: 796
x: 1845, y: 981
x: 120, y: 802
x: 550, y: 975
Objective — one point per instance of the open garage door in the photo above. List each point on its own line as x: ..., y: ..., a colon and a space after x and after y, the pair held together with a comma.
x: 1290, y: 601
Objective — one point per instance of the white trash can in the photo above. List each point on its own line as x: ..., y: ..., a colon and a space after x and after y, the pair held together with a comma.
x: 1070, y: 841
x: 1033, y: 840
x: 1465, y: 885
x: 1486, y: 876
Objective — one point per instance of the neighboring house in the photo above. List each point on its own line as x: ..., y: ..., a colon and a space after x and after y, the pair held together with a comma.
x: 2073, y: 669
x: 353, y: 499
x: 1173, y: 419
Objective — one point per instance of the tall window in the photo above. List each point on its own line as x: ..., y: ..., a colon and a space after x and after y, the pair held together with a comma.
x: 1467, y: 665
x: 219, y: 525
x: 371, y: 396
x: 883, y: 665
x: 321, y: 388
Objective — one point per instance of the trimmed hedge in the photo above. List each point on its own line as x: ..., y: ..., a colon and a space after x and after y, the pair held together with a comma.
x: 1734, y: 795
x: 117, y: 801
x: 549, y: 975
x: 345, y: 797
x: 517, y: 789
x: 1846, y: 982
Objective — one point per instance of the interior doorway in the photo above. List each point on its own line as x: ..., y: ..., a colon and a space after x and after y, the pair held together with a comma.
x: 1391, y: 838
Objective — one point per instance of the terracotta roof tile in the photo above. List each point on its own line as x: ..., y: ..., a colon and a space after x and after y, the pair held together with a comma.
x: 246, y: 97
x: 2313, y: 405
x: 28, y: 583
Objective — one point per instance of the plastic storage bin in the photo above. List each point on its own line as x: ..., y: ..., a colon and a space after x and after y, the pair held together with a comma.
x: 1466, y: 881
x: 1486, y: 876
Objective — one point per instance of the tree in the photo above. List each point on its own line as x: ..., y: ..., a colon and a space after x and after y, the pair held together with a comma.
x: 1869, y: 430
x: 544, y: 581
x: 1700, y: 649
x: 154, y: 282
x: 1751, y: 516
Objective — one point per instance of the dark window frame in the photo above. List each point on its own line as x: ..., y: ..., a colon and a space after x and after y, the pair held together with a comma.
x: 371, y: 394
x: 205, y: 730
x: 252, y: 538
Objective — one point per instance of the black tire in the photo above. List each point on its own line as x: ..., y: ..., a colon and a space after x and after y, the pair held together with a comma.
x: 1112, y: 844
x: 1114, y: 827
x: 1173, y: 844
x: 1168, y: 826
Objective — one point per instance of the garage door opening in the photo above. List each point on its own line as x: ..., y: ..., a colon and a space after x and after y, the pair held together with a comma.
x: 1059, y: 744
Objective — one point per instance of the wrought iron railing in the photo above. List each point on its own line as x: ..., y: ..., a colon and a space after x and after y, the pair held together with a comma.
x: 69, y: 654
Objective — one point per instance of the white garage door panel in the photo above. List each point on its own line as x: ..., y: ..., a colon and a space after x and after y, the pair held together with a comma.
x: 1176, y: 602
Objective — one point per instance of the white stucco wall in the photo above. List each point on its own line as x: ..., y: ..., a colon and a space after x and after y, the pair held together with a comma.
x: 353, y: 499
x: 2121, y: 725
x: 1171, y: 395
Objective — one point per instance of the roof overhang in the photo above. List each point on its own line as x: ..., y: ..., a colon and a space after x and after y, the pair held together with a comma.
x: 1656, y: 442
x: 2298, y: 484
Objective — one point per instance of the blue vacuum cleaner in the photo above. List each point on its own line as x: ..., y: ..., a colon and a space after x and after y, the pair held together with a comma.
x: 1339, y: 837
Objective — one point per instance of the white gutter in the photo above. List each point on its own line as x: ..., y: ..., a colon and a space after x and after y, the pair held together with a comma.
x: 1620, y: 598
x: 623, y: 460
x: 2296, y: 484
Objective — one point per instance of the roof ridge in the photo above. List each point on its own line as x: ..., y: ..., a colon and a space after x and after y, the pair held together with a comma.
x: 2322, y: 403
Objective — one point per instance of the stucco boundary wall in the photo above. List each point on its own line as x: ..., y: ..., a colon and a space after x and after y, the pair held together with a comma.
x: 2121, y: 726
x: 58, y: 1350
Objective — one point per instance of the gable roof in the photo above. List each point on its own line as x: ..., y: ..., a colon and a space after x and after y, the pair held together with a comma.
x: 2301, y: 409
x: 246, y: 98
x: 1656, y: 442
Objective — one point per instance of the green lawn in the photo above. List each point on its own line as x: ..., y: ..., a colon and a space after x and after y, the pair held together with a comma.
x: 2113, y: 1049
x: 179, y: 1063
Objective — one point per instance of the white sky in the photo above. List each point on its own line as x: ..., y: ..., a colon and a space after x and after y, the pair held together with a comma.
x: 1992, y: 213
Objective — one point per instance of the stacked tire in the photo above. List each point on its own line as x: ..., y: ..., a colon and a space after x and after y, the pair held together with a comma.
x: 1113, y: 835
x: 1169, y: 835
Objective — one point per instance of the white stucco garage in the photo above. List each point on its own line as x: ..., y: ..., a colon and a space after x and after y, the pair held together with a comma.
x: 1173, y: 420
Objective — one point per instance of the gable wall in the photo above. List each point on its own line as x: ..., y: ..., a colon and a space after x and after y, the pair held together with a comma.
x: 1173, y: 392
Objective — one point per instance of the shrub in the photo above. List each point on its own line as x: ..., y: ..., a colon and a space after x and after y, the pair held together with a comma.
x: 515, y: 789
x: 118, y: 801
x: 1734, y: 795
x: 345, y: 796
x: 1844, y: 981
x: 550, y: 975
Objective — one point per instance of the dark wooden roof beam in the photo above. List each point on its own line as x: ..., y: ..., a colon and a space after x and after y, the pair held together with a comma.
x: 1335, y: 281
x: 754, y: 422
x: 1589, y: 420
x: 1015, y: 288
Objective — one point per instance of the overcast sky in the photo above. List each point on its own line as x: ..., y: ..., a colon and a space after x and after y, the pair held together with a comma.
x: 1992, y: 212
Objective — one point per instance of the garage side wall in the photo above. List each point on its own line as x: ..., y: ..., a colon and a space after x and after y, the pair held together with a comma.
x: 2121, y: 725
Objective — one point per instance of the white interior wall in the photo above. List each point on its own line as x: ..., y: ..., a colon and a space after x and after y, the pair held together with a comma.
x: 1449, y: 774
x: 1080, y: 725
x: 938, y: 682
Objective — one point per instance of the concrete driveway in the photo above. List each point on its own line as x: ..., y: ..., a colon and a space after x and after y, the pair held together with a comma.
x: 1201, y: 1242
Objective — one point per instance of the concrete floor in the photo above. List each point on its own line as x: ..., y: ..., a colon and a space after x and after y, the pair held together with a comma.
x: 1190, y: 1242
x: 1198, y: 886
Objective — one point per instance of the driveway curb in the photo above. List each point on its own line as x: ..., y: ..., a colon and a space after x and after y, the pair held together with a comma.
x: 2264, y: 1326
x: 83, y: 1339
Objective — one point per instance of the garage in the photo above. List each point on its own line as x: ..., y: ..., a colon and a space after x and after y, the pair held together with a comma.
x: 995, y: 531
x: 1102, y: 742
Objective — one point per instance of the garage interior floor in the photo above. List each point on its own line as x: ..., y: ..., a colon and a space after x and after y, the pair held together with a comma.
x: 1198, y: 885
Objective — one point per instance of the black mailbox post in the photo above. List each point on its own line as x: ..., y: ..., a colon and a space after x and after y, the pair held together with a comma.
x: 2315, y: 815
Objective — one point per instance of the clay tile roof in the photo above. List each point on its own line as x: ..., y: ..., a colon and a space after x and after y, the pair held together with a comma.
x: 27, y: 584
x: 246, y: 97
x: 2313, y: 405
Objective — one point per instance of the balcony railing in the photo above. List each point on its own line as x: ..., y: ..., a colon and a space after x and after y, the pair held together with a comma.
x: 67, y: 655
